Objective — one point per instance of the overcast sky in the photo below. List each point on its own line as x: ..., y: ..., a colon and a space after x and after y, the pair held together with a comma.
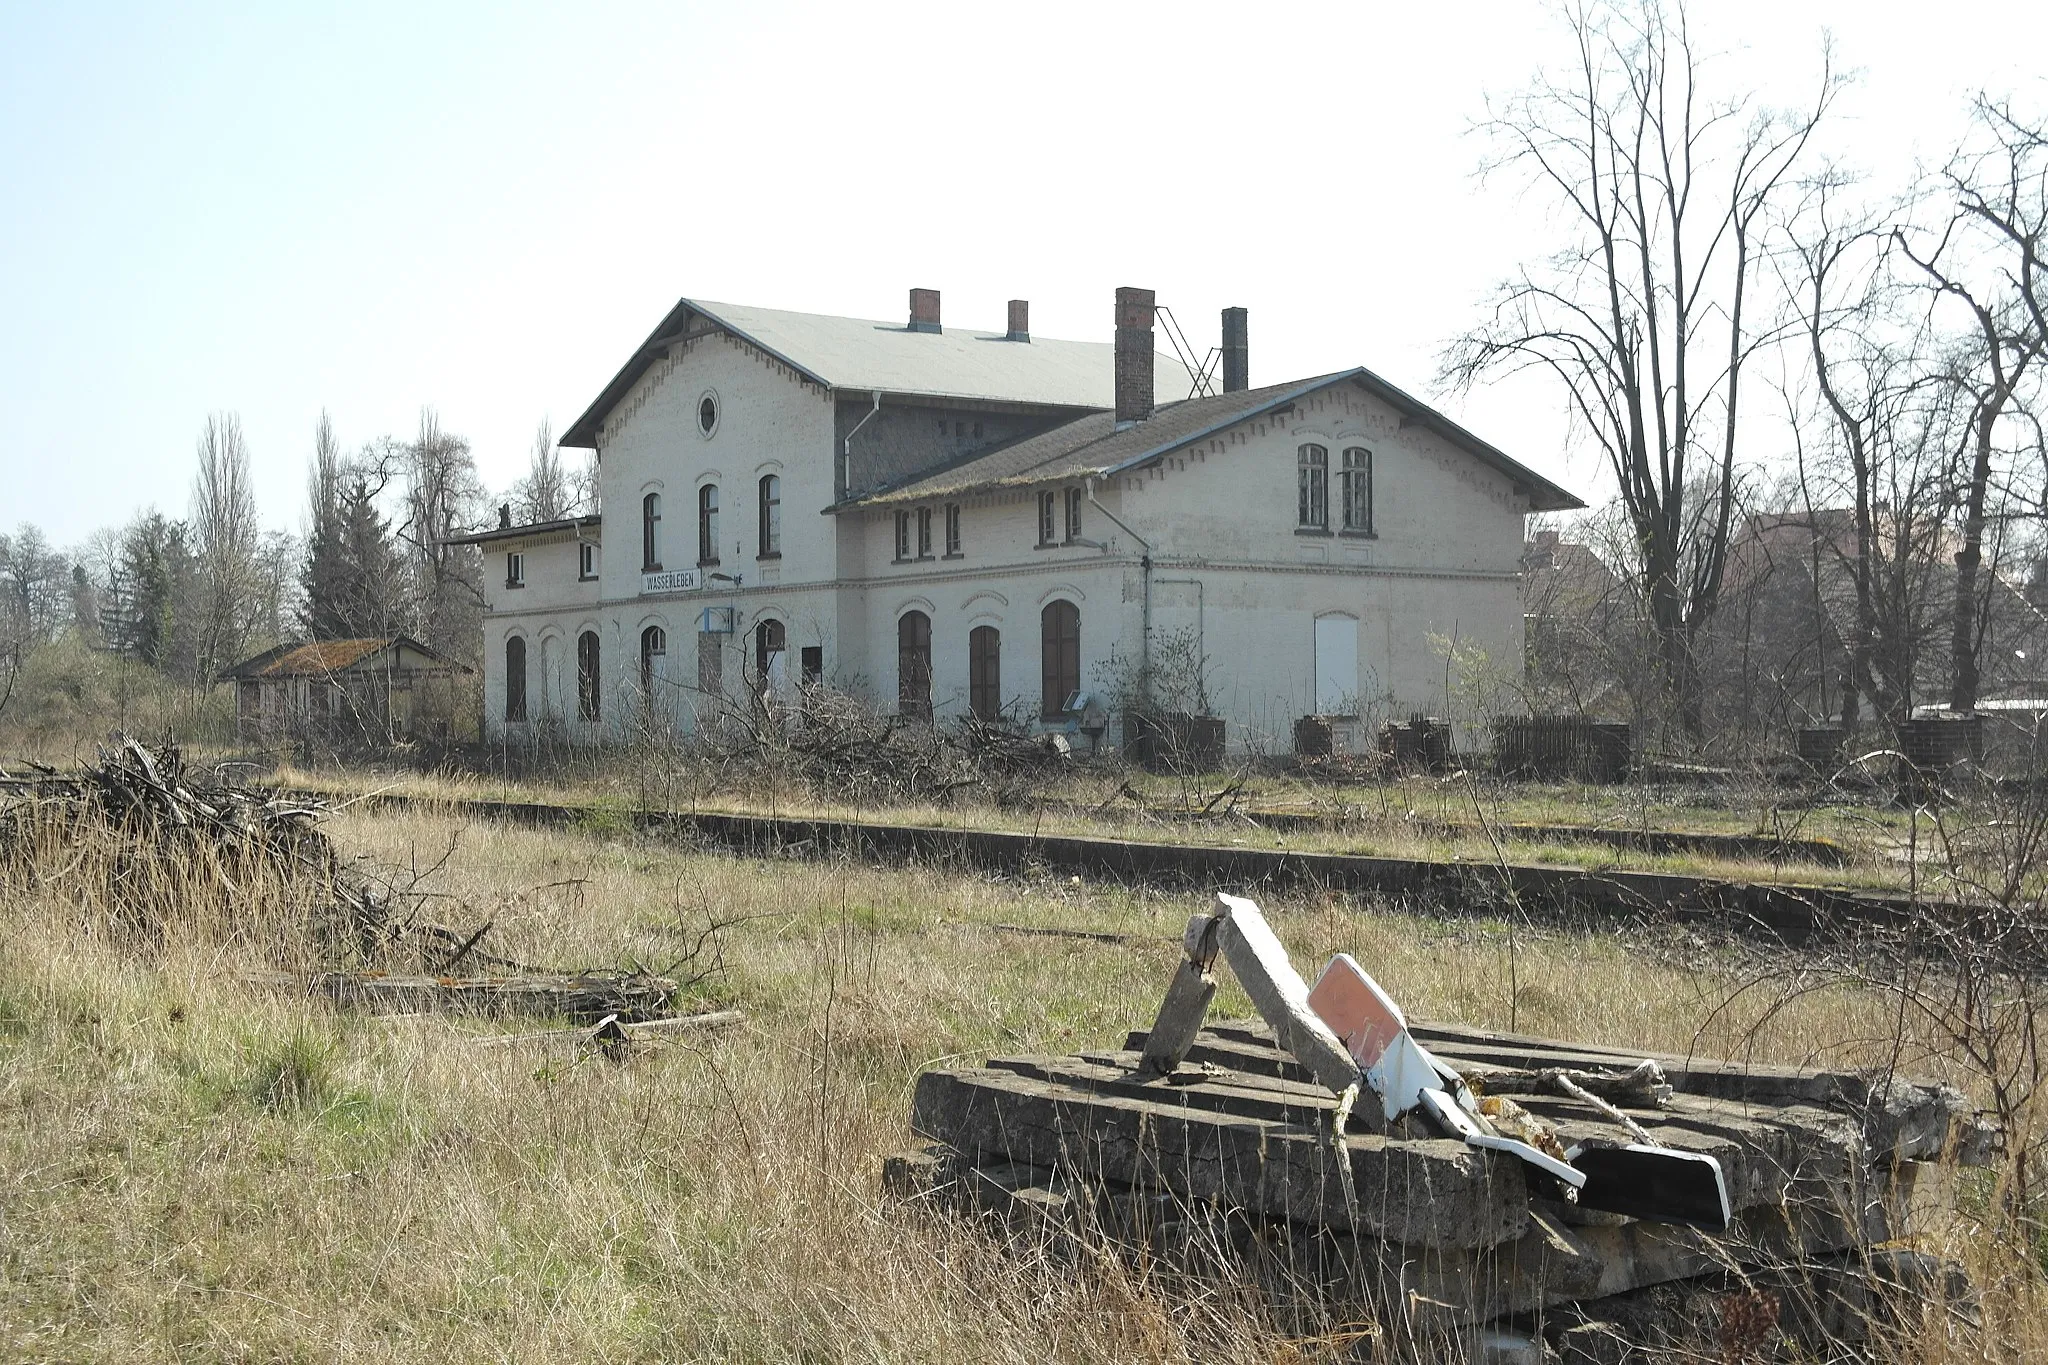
x: 366, y: 208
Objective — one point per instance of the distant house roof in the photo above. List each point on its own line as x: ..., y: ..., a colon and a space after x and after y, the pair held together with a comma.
x: 536, y: 528
x: 1095, y: 446
x: 320, y: 658
x: 867, y: 356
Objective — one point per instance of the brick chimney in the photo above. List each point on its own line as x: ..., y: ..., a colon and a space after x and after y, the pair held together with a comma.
x: 1133, y: 355
x: 1020, y: 320
x: 1236, y: 371
x: 924, y: 310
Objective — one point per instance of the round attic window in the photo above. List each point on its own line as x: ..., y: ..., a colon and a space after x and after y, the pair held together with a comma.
x: 707, y: 412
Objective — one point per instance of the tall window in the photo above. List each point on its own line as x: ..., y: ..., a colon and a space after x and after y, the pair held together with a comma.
x: 1355, y: 488
x: 924, y: 533
x: 903, y: 535
x: 1048, y: 518
x: 650, y: 532
x: 1313, y: 469
x: 515, y: 570
x: 914, y: 664
x: 707, y: 524
x: 586, y: 676
x: 1073, y: 515
x: 771, y: 515
x: 952, y: 528
x: 1059, y: 640
x: 653, y: 648
x: 769, y: 643
x: 515, y: 679
x: 586, y: 559
x: 985, y: 672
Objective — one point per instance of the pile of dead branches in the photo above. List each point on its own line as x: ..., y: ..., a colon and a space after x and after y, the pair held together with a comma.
x: 155, y: 849
x: 838, y: 747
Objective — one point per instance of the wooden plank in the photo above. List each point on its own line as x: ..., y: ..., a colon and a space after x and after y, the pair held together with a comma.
x: 1436, y: 1192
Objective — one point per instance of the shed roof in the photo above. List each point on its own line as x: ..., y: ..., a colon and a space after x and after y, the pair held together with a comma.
x: 1094, y: 445
x: 532, y: 528
x: 319, y: 658
x: 868, y: 356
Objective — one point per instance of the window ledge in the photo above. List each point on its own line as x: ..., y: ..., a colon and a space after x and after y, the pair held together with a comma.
x: 953, y: 555
x: 515, y: 585
x: 924, y: 559
x: 650, y: 568
x: 707, y: 563
x: 769, y: 554
x: 1359, y: 535
x: 1312, y: 530
x: 899, y: 559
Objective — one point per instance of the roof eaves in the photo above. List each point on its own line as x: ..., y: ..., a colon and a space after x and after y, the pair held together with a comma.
x: 537, y: 528
x: 1563, y: 500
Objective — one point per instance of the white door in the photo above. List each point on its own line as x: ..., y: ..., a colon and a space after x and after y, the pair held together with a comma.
x: 1336, y: 665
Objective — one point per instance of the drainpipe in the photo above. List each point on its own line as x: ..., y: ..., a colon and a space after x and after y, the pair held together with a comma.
x: 1145, y: 566
x: 846, y: 455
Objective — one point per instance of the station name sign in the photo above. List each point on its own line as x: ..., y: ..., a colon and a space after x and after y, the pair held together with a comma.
x: 672, y: 580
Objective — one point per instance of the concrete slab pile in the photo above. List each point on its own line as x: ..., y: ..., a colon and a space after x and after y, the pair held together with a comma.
x: 1243, y: 1159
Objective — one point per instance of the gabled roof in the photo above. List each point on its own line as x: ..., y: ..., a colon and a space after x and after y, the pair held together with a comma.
x: 535, y: 528
x: 320, y: 658
x: 1094, y: 446
x: 866, y: 356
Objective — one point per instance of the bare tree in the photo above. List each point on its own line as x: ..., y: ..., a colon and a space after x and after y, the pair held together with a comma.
x: 1642, y: 314
x: 224, y: 539
x: 1876, y: 436
x: 545, y: 493
x: 1984, y: 264
x: 443, y: 498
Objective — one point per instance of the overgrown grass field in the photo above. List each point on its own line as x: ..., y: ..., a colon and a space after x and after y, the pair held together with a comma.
x: 193, y: 1168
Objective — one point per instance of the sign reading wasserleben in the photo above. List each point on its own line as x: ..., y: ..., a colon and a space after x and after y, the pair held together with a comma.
x: 672, y: 580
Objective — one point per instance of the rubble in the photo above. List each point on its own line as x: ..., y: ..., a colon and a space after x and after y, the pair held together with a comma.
x: 1373, y: 1182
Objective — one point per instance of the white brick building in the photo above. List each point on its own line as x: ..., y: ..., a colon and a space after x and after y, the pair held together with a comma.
x: 944, y: 518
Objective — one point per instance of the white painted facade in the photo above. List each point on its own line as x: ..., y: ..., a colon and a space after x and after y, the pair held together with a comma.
x: 1292, y: 622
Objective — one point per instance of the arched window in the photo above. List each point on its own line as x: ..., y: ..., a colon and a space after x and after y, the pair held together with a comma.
x: 914, y: 664
x: 985, y: 672
x: 771, y: 515
x: 707, y: 524
x: 1357, y: 490
x: 1059, y: 641
x: 650, y: 532
x: 1313, y: 487
x: 587, y: 707
x: 515, y: 679
x: 769, y: 643
x: 653, y: 646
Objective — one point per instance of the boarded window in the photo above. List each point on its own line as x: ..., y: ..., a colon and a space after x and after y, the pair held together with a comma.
x: 515, y: 679
x: 710, y: 662
x: 914, y: 664
x: 1336, y: 665
x: 1060, y: 654
x: 587, y: 700
x: 985, y: 672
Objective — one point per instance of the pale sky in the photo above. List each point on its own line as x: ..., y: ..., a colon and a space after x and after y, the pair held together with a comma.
x: 280, y: 208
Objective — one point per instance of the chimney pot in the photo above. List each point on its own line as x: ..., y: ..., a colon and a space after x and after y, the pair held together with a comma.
x: 1236, y: 371
x: 1134, y: 363
x: 924, y: 310
x: 1020, y: 320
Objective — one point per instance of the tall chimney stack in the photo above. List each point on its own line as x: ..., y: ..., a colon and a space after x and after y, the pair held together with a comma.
x: 924, y: 310
x: 1020, y: 320
x: 1236, y: 371
x: 1134, y: 370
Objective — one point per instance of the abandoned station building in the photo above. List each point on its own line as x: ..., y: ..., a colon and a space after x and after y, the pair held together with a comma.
x: 947, y: 519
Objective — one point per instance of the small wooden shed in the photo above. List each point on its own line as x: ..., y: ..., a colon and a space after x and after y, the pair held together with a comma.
x: 378, y: 690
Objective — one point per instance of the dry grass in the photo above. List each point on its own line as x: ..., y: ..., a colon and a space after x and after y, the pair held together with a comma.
x: 196, y: 1171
